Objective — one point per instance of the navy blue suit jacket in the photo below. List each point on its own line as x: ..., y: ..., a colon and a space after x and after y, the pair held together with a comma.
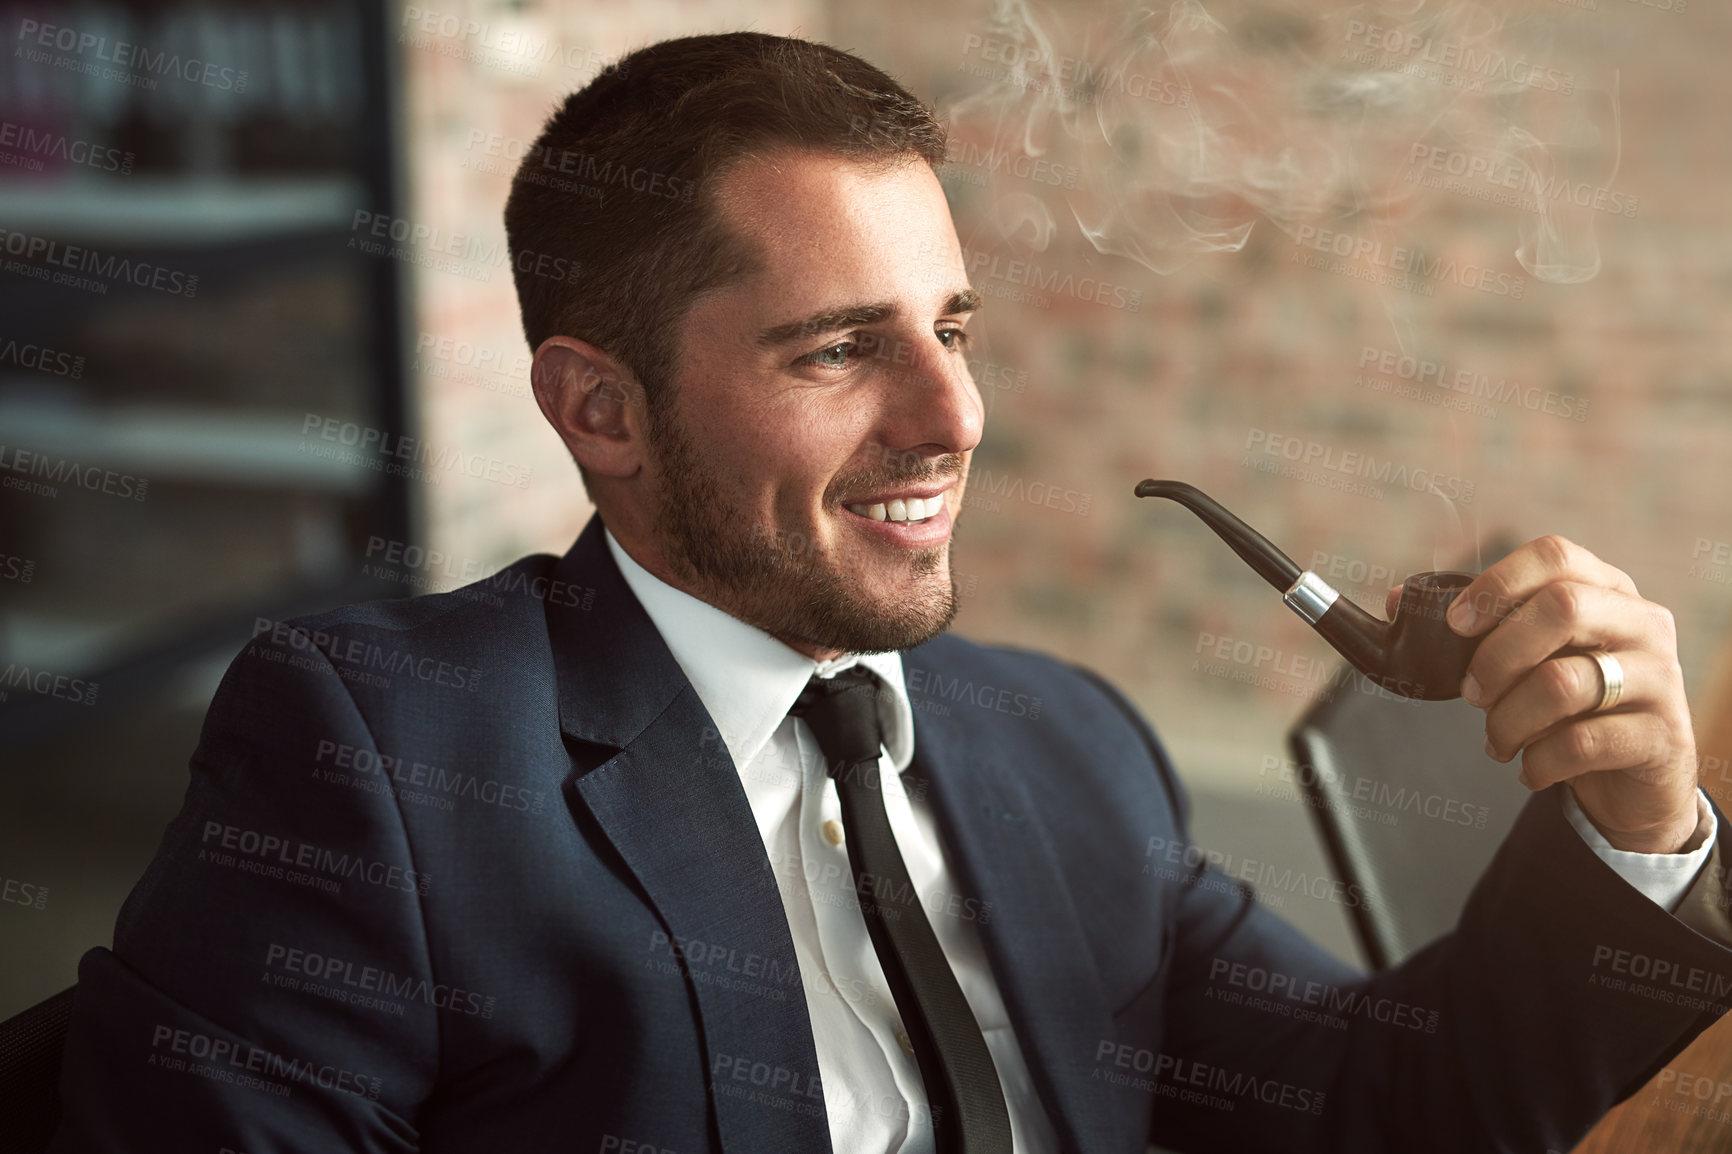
x: 473, y: 872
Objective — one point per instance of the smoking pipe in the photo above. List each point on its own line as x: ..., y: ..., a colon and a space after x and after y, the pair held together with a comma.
x: 1415, y: 655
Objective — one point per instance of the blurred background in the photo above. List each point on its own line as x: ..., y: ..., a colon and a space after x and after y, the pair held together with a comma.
x: 1402, y: 285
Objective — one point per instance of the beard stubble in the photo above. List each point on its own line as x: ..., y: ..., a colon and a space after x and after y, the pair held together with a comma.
x: 791, y: 590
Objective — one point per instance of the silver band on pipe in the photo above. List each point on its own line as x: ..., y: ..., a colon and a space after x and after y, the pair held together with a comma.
x: 1310, y: 597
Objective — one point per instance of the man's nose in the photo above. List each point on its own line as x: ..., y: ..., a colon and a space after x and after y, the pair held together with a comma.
x: 931, y: 403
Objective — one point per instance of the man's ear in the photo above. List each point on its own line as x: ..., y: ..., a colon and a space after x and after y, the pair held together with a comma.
x: 592, y: 403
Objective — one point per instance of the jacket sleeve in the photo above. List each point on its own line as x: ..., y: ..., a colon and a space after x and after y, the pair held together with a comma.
x: 1561, y: 991
x: 266, y: 987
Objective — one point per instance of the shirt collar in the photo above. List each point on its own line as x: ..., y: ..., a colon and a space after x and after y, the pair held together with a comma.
x: 747, y: 679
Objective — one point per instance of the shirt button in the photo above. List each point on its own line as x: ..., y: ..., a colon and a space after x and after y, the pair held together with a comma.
x: 833, y: 832
x: 907, y: 1043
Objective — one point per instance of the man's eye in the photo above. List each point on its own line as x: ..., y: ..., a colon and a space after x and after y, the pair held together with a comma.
x: 835, y: 356
x: 953, y: 338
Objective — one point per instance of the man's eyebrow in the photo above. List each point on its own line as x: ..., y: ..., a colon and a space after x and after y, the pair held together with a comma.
x: 854, y: 316
x: 826, y: 322
x: 965, y: 301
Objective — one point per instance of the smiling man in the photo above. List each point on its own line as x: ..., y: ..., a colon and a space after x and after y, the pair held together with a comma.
x: 680, y: 864
x: 804, y: 471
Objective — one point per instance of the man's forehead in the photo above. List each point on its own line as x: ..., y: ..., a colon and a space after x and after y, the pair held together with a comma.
x: 830, y: 221
x: 766, y: 187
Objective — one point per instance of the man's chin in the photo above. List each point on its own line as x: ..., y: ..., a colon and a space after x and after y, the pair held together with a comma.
x: 841, y: 616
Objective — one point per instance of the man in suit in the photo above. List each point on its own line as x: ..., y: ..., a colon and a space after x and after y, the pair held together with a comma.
x: 548, y: 863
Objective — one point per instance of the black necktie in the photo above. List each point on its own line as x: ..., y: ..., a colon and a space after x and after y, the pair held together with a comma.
x: 968, y: 1111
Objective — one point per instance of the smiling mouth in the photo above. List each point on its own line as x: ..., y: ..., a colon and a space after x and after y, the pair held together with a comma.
x: 911, y: 510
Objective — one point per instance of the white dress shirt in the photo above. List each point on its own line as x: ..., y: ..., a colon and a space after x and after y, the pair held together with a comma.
x: 1664, y: 877
x: 873, y: 1094
x: 748, y: 681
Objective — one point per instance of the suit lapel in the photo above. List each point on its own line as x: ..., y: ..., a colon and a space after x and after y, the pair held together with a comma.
x: 672, y: 804
x: 1002, y: 853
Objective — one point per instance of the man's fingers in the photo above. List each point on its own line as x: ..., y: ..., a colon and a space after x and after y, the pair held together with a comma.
x: 1504, y: 587
x: 1563, y: 687
x: 1564, y: 614
x: 1641, y: 743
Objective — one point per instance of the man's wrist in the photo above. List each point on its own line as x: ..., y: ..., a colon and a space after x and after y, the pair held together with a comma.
x: 1681, y: 836
x: 1672, y: 842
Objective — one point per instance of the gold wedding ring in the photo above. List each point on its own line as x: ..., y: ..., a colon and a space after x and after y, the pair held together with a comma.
x: 1611, y: 679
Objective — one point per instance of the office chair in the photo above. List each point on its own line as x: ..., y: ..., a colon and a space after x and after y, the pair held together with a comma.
x: 1407, y: 803
x: 30, y: 1048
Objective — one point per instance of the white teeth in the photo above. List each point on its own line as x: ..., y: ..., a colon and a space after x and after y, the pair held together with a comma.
x: 902, y: 509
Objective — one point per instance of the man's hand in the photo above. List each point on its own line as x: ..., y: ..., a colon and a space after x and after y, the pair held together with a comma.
x: 1633, y: 767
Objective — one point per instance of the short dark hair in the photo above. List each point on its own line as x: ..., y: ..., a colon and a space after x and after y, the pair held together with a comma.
x: 619, y: 190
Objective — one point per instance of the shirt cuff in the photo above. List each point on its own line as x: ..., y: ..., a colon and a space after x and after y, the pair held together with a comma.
x: 1663, y: 877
